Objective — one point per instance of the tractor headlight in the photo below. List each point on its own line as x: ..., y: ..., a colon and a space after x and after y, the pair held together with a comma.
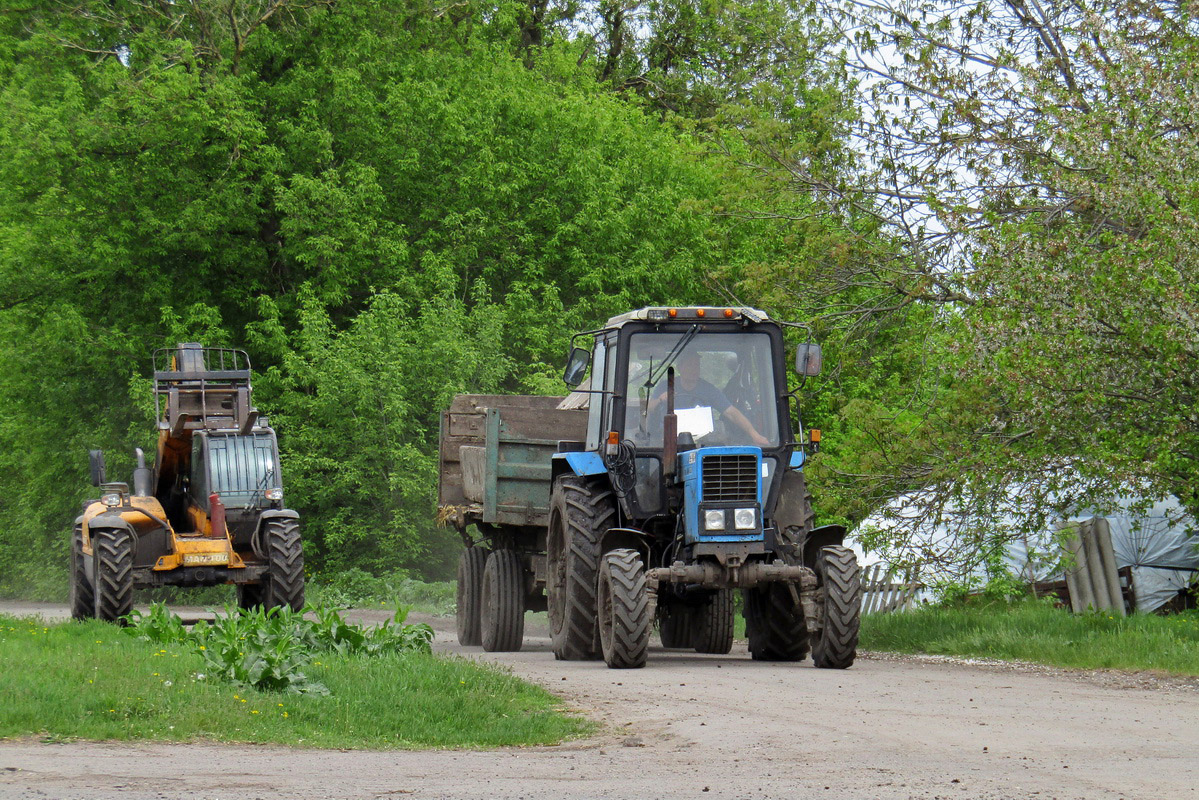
x: 745, y: 519
x: 111, y: 499
x: 714, y: 519
x: 274, y: 494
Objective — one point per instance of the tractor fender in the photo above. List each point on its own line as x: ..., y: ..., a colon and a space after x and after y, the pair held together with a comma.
x: 631, y: 538
x: 263, y: 518
x: 581, y: 464
x: 824, y: 536
x: 103, y: 521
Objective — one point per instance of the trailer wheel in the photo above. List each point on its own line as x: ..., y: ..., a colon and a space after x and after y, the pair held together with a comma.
x: 714, y: 624
x: 581, y: 511
x: 624, y: 619
x: 502, y: 618
x: 83, y: 597
x: 675, y: 625
x: 284, y: 584
x: 775, y: 627
x: 112, y: 549
x: 837, y: 571
x: 469, y: 592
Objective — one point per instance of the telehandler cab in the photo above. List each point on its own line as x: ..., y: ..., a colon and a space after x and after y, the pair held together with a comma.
x: 211, y: 509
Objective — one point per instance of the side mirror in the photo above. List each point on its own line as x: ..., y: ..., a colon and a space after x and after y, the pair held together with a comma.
x: 96, y: 462
x: 808, y: 359
x: 576, y: 366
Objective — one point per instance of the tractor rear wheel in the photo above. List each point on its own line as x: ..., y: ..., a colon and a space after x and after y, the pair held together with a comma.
x: 581, y: 512
x: 624, y: 619
x: 470, y: 586
x: 714, y: 624
x: 284, y: 585
x: 775, y: 626
x: 502, y: 618
x: 112, y: 549
x: 837, y: 571
x: 83, y: 597
x: 676, y: 625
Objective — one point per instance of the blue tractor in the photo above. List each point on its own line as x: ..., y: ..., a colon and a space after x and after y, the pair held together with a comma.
x: 687, y: 487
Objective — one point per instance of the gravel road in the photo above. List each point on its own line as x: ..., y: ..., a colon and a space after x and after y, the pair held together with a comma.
x: 690, y: 726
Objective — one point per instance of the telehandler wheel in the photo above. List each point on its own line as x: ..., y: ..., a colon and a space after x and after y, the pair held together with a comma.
x: 774, y: 625
x: 83, y: 597
x: 249, y: 595
x: 581, y: 511
x: 837, y: 571
x: 112, y: 549
x: 469, y: 593
x: 624, y: 619
x: 284, y: 584
x: 714, y: 624
x: 502, y: 616
x: 676, y: 625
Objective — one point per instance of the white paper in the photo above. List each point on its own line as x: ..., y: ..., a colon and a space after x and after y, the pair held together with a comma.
x: 697, y: 421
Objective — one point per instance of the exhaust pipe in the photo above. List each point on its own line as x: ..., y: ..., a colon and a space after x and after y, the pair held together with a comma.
x: 141, y: 476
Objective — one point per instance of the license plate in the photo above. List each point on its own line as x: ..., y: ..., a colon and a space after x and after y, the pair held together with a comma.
x: 205, y: 558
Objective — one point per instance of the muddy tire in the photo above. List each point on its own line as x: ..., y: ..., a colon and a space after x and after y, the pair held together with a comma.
x: 624, y: 618
x: 502, y: 617
x: 581, y: 511
x: 675, y: 625
x: 837, y: 571
x: 249, y: 596
x: 469, y: 591
x: 112, y: 549
x: 774, y: 625
x: 713, y: 630
x: 284, y: 582
x: 83, y: 597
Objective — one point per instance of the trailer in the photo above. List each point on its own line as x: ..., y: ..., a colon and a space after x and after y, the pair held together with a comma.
x: 496, y: 474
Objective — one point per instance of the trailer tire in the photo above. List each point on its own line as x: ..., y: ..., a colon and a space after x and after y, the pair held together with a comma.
x: 112, y: 549
x: 581, y: 511
x: 83, y: 596
x: 675, y: 625
x: 469, y: 593
x: 775, y: 627
x: 502, y: 617
x: 624, y: 618
x: 284, y: 585
x: 837, y: 571
x: 713, y: 628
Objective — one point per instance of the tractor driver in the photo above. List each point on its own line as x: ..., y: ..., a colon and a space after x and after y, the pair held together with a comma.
x: 690, y: 390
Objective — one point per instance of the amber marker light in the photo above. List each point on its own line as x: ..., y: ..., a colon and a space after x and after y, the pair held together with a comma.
x: 614, y: 437
x: 699, y: 312
x: 814, y: 435
x: 674, y: 312
x: 728, y: 312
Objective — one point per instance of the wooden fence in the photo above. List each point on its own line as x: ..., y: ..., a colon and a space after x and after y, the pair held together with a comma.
x: 883, y: 592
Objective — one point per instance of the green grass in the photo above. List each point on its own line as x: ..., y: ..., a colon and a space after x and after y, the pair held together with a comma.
x: 94, y: 681
x: 1034, y: 631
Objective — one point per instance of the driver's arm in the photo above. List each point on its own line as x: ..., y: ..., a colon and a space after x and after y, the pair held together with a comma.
x: 739, y: 419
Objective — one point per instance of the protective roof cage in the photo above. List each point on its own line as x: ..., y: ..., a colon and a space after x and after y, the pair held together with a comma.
x: 198, y: 387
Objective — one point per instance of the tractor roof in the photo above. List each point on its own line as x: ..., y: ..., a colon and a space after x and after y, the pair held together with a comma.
x: 688, y: 313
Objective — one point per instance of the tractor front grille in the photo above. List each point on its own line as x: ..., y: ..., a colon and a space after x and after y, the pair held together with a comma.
x: 730, y: 478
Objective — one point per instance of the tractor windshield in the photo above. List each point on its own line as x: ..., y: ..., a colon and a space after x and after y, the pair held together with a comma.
x: 243, y: 468
x: 724, y: 388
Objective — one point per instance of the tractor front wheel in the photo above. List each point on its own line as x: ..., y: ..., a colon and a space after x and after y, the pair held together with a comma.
x: 837, y: 571
x: 503, y: 613
x: 112, y: 549
x: 284, y: 584
x: 468, y: 595
x: 83, y: 596
x: 624, y: 618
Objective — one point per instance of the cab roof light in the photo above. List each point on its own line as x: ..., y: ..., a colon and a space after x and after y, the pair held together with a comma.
x: 699, y: 312
x: 728, y: 313
x: 672, y: 313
